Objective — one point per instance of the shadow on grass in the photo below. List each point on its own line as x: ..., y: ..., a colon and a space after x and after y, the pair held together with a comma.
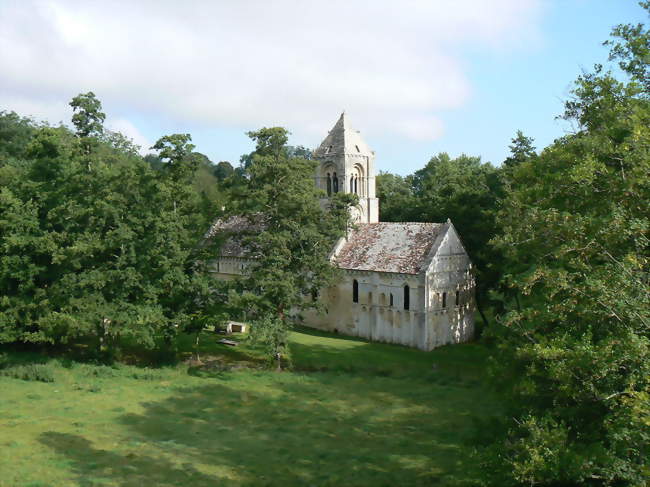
x: 96, y: 467
x: 315, y: 430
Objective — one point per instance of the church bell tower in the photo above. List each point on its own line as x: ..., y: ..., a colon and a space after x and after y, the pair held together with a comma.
x: 347, y: 165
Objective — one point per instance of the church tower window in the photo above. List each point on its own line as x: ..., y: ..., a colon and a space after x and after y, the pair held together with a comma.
x: 391, y: 299
x: 335, y: 184
x: 407, y: 297
x: 444, y: 300
x: 329, y: 185
x: 457, y: 298
x: 351, y: 184
x: 355, y: 291
x: 356, y: 189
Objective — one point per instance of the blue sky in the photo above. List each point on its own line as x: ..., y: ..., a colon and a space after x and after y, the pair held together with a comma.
x: 417, y: 77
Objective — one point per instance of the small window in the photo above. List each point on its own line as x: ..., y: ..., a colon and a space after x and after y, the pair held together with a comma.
x: 444, y: 300
x: 329, y: 185
x: 355, y: 291
x: 356, y: 190
x: 370, y: 298
x: 351, y: 184
x: 407, y: 297
x: 391, y: 299
x: 335, y: 185
x: 457, y: 298
x: 357, y: 148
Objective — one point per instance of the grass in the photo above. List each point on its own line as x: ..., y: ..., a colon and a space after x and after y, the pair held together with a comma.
x: 350, y: 413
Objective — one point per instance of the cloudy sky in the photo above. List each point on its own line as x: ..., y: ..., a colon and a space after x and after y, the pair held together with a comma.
x: 416, y: 77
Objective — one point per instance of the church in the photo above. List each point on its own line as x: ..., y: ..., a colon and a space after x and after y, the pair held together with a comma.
x: 405, y: 283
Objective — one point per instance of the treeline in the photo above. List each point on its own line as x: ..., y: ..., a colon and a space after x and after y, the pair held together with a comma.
x: 97, y: 244
x: 560, y: 240
x: 101, y: 247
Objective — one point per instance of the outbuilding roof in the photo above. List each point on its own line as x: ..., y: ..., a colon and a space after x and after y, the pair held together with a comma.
x: 233, y: 230
x: 404, y: 248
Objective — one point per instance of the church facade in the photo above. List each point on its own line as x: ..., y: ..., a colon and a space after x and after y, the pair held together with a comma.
x: 405, y: 283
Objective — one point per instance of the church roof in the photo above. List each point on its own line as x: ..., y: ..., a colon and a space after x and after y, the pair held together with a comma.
x: 343, y: 139
x: 404, y: 248
x: 233, y: 231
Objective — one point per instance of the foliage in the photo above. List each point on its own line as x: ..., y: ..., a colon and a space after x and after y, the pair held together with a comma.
x: 223, y: 170
x: 29, y: 372
x: 15, y: 134
x: 521, y: 150
x: 292, y: 249
x: 575, y: 237
x: 396, y: 198
x: 88, y: 117
x: 96, y: 245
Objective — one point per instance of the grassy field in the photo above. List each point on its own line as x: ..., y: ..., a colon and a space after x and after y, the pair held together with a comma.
x: 350, y: 413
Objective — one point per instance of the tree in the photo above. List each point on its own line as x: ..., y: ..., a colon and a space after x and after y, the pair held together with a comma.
x: 88, y: 119
x: 521, y: 150
x: 396, y: 198
x: 99, y: 254
x: 292, y: 248
x: 575, y: 234
x: 223, y: 170
x: 175, y: 151
x: 15, y: 134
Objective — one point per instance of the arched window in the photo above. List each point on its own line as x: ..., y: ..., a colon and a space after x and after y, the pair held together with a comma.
x: 351, y: 184
x: 370, y: 298
x: 457, y: 298
x: 356, y: 189
x: 391, y: 299
x: 335, y: 180
x: 329, y: 185
x: 407, y: 297
x: 444, y: 300
x: 355, y: 291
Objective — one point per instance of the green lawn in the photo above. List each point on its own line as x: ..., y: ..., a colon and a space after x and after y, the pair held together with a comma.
x: 351, y: 413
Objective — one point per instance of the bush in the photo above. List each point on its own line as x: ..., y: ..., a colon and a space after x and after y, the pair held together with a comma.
x: 29, y: 372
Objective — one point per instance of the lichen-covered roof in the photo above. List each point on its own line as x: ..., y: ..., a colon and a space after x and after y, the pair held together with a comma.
x: 233, y: 230
x: 404, y: 248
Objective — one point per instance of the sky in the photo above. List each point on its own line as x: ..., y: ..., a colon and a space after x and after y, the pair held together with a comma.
x: 416, y: 77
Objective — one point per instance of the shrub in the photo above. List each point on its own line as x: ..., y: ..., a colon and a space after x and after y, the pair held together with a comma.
x: 30, y: 372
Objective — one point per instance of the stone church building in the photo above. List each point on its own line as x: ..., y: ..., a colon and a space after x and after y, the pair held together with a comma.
x: 405, y: 283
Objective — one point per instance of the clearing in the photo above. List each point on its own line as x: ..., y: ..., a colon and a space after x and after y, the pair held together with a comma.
x: 350, y: 413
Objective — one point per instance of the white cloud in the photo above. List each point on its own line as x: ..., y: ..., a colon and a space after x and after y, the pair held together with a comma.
x: 393, y: 65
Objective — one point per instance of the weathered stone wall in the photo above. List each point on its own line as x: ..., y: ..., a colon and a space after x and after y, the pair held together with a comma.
x: 373, y: 317
x: 229, y: 267
x: 450, y: 302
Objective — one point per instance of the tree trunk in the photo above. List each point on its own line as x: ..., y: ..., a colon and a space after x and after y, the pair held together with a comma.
x: 196, y: 346
x: 278, y: 361
x: 479, y: 308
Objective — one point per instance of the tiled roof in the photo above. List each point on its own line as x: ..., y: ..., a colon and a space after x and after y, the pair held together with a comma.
x: 403, y: 248
x: 234, y: 229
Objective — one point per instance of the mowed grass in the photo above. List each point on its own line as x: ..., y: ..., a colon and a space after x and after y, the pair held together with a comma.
x: 349, y: 413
